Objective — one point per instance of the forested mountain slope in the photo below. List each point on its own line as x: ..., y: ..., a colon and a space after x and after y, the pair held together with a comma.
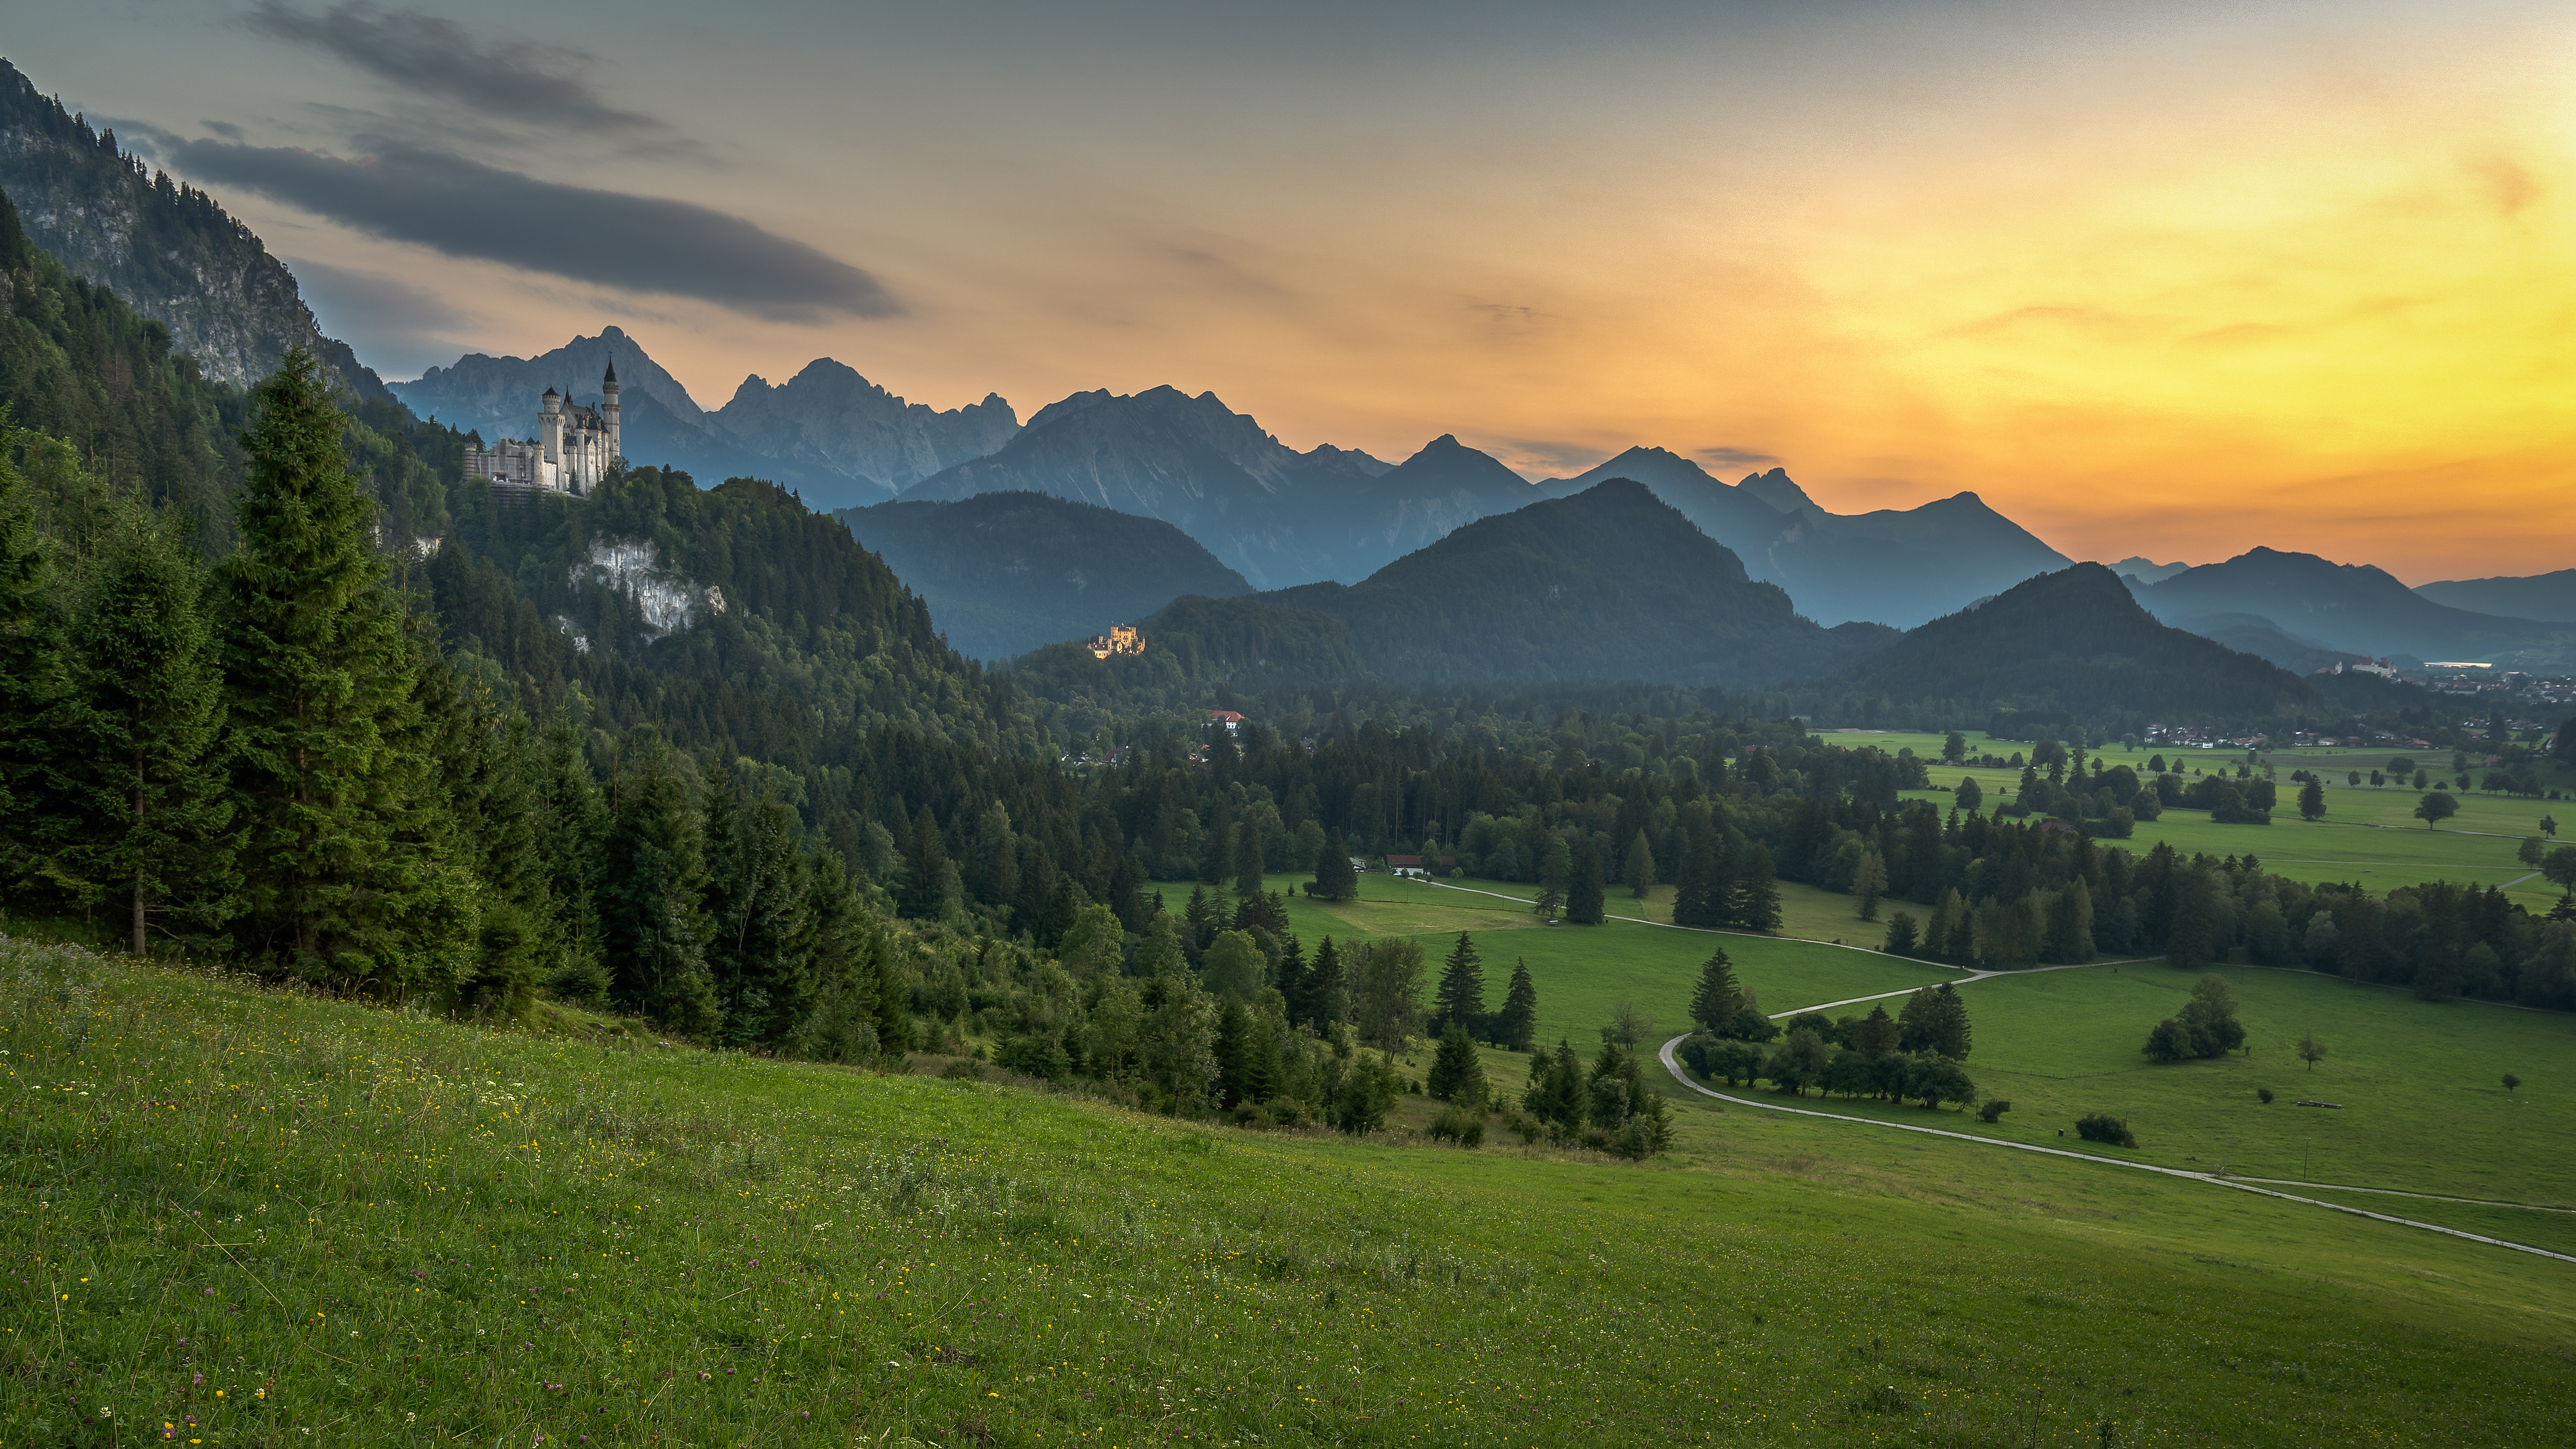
x: 2549, y: 597
x: 1611, y: 583
x: 1004, y: 573
x: 2073, y: 642
x: 168, y: 250
x: 2347, y: 606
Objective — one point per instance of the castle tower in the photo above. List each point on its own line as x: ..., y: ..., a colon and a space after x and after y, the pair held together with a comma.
x: 550, y: 425
x: 608, y: 411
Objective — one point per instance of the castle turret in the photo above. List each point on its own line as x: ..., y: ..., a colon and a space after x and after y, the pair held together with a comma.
x: 608, y: 413
x: 550, y: 426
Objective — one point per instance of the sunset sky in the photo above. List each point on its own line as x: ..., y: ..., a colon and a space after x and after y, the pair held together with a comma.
x: 2172, y: 280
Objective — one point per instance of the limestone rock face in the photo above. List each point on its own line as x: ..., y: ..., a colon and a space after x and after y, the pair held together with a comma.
x: 168, y: 250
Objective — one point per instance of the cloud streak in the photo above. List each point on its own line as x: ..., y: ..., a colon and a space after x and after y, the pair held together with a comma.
x: 606, y: 238
x: 541, y: 85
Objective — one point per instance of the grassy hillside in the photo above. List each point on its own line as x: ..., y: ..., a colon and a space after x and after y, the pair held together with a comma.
x: 246, y: 1216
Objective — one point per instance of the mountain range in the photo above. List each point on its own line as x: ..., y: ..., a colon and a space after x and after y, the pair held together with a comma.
x: 1004, y: 573
x: 2075, y: 643
x: 2549, y: 597
x: 2346, y: 607
x: 1611, y: 583
x: 832, y: 435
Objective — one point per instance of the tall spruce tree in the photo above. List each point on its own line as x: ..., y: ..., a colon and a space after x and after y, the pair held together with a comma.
x: 345, y: 871
x: 1328, y: 998
x: 1516, y: 1025
x: 139, y: 733
x: 1460, y: 998
x: 760, y: 949
x: 1335, y: 880
x: 1247, y: 862
x: 1699, y: 890
x: 925, y: 873
x: 652, y: 882
x: 1757, y: 893
x: 1717, y: 999
x: 1457, y: 1074
x: 1638, y: 870
x: 1585, y: 902
x: 32, y: 684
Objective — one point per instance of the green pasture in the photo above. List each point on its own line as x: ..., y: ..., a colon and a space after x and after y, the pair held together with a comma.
x: 263, y: 1219
x: 1584, y: 973
x: 2422, y: 1105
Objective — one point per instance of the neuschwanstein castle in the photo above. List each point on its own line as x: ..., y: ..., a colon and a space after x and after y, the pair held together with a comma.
x: 575, y: 446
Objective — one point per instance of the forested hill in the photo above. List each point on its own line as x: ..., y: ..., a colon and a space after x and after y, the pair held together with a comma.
x: 2072, y: 642
x: 734, y: 618
x: 169, y: 250
x: 1612, y: 583
x: 78, y: 365
x: 1005, y: 573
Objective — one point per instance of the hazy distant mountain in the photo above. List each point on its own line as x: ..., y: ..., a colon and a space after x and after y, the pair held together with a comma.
x: 829, y: 421
x: 1900, y: 567
x: 828, y: 433
x: 1276, y: 515
x: 1890, y: 567
x: 1368, y: 522
x: 2256, y: 635
x: 2346, y: 606
x: 166, y: 250
x: 1611, y: 583
x: 2146, y: 570
x: 2075, y: 641
x: 1004, y: 573
x: 2547, y: 597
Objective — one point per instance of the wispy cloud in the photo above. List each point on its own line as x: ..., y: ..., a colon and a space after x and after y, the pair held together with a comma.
x: 430, y: 56
x: 1729, y: 456
x: 610, y: 239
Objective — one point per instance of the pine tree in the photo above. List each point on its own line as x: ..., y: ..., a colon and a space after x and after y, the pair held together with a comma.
x: 1457, y: 1073
x: 1329, y: 999
x: 759, y: 952
x: 1335, y: 880
x: 345, y: 875
x: 1757, y: 894
x: 652, y: 877
x: 1718, y: 997
x: 1516, y: 1025
x: 1556, y: 1091
x: 925, y: 872
x: 1584, y: 903
x: 1233, y: 1048
x: 140, y: 731
x: 1247, y: 862
x: 32, y: 684
x: 1868, y: 881
x: 1460, y: 998
x: 2312, y: 801
x: 1640, y: 873
x: 1700, y: 888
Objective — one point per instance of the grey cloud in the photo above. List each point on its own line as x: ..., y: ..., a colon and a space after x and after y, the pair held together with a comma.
x: 1729, y: 456
x: 400, y: 327
x: 225, y: 129
x: 609, y: 239
x: 537, y: 84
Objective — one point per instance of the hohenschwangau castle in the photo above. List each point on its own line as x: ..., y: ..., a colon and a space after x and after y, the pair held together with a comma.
x: 574, y: 449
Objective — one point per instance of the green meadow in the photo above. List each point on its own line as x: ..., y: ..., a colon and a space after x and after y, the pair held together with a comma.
x: 236, y: 1216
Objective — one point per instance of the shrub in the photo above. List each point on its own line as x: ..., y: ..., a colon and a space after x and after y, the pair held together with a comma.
x: 2101, y: 1127
x: 963, y: 1071
x: 1993, y: 1111
x: 1467, y: 1129
x: 2264, y: 1094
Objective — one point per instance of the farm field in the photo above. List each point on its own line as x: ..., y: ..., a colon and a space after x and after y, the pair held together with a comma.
x: 2420, y: 1086
x: 272, y: 1215
x: 1583, y: 973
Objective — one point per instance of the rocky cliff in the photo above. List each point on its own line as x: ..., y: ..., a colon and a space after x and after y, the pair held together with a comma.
x: 168, y: 250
